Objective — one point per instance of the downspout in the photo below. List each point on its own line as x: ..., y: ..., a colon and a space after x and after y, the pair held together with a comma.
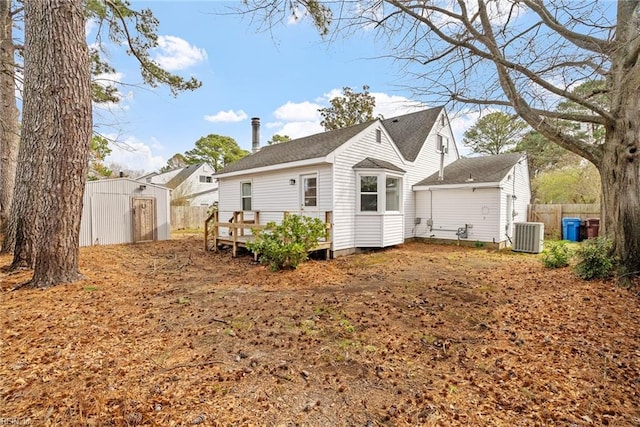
x: 430, y: 204
x: 430, y: 221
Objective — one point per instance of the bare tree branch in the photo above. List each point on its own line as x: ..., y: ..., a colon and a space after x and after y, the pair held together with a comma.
x: 583, y: 41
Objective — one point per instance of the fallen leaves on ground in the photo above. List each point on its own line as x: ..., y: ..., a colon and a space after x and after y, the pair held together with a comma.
x: 168, y: 334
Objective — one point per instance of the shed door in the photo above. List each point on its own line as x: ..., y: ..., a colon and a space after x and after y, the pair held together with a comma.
x: 144, y: 220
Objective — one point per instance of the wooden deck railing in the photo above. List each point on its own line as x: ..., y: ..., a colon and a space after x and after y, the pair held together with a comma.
x: 238, y: 225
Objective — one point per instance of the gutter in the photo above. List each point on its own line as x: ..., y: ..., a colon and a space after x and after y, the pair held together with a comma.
x: 270, y: 168
x: 456, y: 186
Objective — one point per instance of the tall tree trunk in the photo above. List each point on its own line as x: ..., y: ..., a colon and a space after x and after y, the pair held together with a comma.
x: 57, y: 124
x: 8, y: 124
x: 620, y: 176
x: 620, y: 160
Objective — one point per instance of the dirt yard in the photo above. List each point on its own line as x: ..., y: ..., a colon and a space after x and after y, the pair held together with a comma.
x: 166, y: 334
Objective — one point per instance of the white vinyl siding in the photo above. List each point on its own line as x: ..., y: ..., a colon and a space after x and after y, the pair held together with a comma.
x: 272, y: 193
x: 392, y: 232
x: 369, y: 231
x: 453, y: 208
x: 484, y: 210
x: 353, y: 227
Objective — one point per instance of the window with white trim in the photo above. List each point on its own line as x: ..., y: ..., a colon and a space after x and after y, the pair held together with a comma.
x: 379, y: 192
x: 368, y: 193
x: 392, y: 194
x: 206, y: 179
x: 246, y: 195
x: 310, y: 191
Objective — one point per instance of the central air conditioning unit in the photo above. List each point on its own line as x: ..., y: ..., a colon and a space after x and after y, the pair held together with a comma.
x: 528, y: 237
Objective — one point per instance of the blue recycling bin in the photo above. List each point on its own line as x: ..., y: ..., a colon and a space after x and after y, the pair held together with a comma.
x: 571, y: 229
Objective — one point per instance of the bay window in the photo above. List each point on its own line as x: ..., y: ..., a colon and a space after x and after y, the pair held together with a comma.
x: 379, y: 192
x: 393, y: 194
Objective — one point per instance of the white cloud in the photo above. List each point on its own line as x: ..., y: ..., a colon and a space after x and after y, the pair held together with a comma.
x: 300, y: 111
x: 89, y: 26
x: 296, y: 130
x: 394, y: 105
x: 174, y: 53
x: 134, y: 154
x: 299, y: 119
x: 499, y: 12
x: 226, y: 116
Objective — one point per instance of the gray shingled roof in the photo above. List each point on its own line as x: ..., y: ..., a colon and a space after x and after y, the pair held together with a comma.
x: 309, y: 147
x: 480, y: 169
x: 371, y: 163
x: 185, y: 173
x: 409, y: 132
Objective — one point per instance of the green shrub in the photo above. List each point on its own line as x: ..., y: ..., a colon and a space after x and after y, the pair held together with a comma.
x: 595, y: 261
x: 556, y: 255
x: 287, y: 245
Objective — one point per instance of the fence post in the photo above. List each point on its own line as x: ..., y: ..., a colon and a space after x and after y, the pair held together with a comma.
x: 216, y: 229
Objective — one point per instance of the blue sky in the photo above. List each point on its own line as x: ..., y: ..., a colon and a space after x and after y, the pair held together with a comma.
x: 283, y: 77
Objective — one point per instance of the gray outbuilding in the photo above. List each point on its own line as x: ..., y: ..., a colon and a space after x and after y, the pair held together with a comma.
x: 123, y: 210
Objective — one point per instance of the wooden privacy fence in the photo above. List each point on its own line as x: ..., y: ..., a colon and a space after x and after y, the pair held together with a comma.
x: 551, y: 215
x: 188, y: 217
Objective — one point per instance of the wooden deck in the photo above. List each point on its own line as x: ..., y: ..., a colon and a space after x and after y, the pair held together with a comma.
x: 239, y: 232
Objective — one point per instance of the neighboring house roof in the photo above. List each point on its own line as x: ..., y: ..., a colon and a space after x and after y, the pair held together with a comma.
x: 194, y: 195
x: 409, y: 132
x: 371, y: 163
x: 136, y: 182
x: 487, y: 169
x: 182, y: 176
x: 149, y: 175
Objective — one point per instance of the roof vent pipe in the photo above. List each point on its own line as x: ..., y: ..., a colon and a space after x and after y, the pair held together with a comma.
x: 441, y: 171
x: 255, y: 134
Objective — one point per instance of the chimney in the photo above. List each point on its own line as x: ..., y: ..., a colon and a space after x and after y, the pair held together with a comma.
x: 255, y: 134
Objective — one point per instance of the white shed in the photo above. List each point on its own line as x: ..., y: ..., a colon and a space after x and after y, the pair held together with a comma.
x: 123, y: 210
x: 476, y: 199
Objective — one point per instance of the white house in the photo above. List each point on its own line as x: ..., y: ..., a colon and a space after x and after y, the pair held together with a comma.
x: 363, y: 174
x: 476, y: 199
x: 194, y: 184
x: 124, y: 210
